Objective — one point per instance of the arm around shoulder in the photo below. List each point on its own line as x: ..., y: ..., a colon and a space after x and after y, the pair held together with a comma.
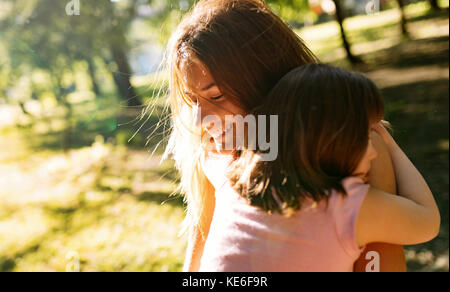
x: 412, y: 217
x: 395, y: 219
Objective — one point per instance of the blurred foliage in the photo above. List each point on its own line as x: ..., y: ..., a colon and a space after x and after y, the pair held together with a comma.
x: 292, y: 11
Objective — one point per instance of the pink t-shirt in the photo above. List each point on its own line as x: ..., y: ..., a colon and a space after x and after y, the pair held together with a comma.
x: 242, y: 238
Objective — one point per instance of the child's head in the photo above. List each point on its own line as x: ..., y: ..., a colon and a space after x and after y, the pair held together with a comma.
x: 324, y: 120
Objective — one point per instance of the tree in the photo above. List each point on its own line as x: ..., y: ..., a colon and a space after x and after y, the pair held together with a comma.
x: 435, y: 5
x: 401, y: 5
x: 118, y: 46
x: 340, y: 17
x: 54, y: 39
x: 291, y: 10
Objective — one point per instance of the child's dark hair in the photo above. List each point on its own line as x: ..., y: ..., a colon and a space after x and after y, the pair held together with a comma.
x: 324, y: 117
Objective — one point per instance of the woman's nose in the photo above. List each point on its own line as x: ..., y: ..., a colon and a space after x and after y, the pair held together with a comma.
x: 204, y: 114
x: 203, y: 118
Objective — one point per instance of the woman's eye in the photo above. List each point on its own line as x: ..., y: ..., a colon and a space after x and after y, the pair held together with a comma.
x: 217, y: 97
x: 191, y: 98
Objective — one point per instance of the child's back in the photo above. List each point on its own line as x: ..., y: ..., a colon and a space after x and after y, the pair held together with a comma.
x: 316, y: 238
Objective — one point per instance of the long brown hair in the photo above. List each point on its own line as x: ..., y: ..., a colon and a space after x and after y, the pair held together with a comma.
x: 324, y: 116
x: 247, y: 49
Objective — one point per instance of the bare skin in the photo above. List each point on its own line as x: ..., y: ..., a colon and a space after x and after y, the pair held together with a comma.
x: 382, y: 176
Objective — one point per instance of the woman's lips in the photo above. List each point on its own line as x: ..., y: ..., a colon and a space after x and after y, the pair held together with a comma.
x: 366, y: 178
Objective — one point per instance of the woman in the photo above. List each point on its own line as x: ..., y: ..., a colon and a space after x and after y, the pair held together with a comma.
x: 224, y: 58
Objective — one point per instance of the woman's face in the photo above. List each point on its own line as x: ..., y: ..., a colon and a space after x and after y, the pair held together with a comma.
x: 364, y: 165
x: 208, y: 100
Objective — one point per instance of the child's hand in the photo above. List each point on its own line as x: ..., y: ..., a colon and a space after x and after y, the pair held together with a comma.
x: 385, y: 135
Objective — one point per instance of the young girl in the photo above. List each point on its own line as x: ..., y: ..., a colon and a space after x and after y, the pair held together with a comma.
x: 223, y: 59
x: 311, y: 209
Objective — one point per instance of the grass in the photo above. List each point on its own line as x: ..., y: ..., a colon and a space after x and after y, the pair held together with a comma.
x: 104, y: 201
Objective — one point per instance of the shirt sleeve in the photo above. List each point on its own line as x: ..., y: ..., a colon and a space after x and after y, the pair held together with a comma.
x: 345, y: 211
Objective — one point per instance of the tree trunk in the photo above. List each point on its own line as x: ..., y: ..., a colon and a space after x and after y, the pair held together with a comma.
x: 24, y: 110
x: 434, y: 4
x: 403, y: 18
x: 91, y: 68
x: 123, y: 75
x: 67, y: 139
x: 117, y: 45
x: 68, y: 131
x: 340, y: 19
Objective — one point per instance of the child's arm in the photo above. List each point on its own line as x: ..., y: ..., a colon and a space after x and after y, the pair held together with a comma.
x: 410, y: 218
x: 382, y: 177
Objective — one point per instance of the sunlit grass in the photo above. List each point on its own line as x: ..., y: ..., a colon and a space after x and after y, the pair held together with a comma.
x: 53, y: 204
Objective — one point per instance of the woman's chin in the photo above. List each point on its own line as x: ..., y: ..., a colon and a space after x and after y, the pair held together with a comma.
x: 366, y: 178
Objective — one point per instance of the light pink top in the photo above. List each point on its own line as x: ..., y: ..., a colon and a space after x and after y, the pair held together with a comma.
x: 243, y: 238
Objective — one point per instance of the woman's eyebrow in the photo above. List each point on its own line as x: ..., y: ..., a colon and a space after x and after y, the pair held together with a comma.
x: 209, y: 86
x: 186, y: 91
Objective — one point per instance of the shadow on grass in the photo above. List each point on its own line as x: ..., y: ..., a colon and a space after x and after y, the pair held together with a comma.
x: 432, y: 14
x: 370, y: 34
x: 417, y: 53
x: 376, y: 33
x: 407, y: 54
x: 7, y: 264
